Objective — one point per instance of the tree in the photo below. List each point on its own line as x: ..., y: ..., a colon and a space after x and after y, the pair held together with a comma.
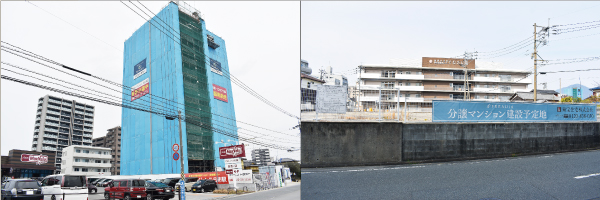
x: 570, y: 99
x: 592, y: 99
x: 295, y: 168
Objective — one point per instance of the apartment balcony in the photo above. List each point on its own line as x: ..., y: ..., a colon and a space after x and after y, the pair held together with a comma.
x: 54, y: 101
x: 52, y: 124
x: 41, y: 101
x: 50, y: 129
x: 63, y: 143
x: 40, y: 107
x: 87, y: 135
x: 80, y: 107
x: 89, y: 145
x: 393, y: 99
x: 36, y: 136
x: 49, y: 142
x: 89, y: 114
x: 77, y: 139
x: 77, y: 127
x: 89, y: 119
x: 89, y: 124
x: 64, y: 103
x: 53, y: 112
x: 402, y: 88
x: 396, y: 77
x: 66, y: 109
x: 35, y: 142
x: 37, y: 124
x: 49, y: 148
x: 90, y: 164
x: 87, y: 129
x: 79, y: 116
x: 78, y: 122
x: 53, y: 118
x: 77, y: 133
x: 53, y: 106
x: 33, y: 148
x: 79, y: 112
x: 38, y: 113
x: 36, y: 131
x: 65, y: 120
x: 87, y: 140
x: 50, y: 136
x: 63, y: 137
x: 88, y: 108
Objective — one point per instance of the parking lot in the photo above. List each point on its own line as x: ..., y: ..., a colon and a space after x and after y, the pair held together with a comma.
x: 188, y: 195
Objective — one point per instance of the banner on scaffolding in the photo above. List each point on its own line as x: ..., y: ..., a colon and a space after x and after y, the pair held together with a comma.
x: 472, y: 111
x: 331, y: 99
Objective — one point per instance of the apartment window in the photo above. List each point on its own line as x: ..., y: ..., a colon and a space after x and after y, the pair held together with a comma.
x: 86, y: 160
x: 451, y: 95
x: 418, y: 95
x: 105, y: 161
x: 400, y: 95
x: 103, y: 170
x: 99, y: 152
x: 98, y: 161
x: 451, y: 84
x: 77, y: 151
x: 86, y: 151
x: 418, y: 84
x: 76, y: 169
x: 388, y: 74
x: 399, y: 83
x: 408, y: 72
x: 84, y: 169
x: 77, y: 160
x: 387, y: 85
x: 407, y: 95
x: 98, y: 170
x: 387, y: 95
x: 407, y: 83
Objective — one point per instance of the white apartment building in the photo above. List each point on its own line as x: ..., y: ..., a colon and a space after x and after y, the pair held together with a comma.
x: 436, y: 79
x: 86, y: 160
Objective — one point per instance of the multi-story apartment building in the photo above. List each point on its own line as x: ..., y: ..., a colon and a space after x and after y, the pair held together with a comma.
x: 261, y: 157
x: 112, y: 140
x: 85, y: 160
x: 436, y: 79
x: 60, y: 123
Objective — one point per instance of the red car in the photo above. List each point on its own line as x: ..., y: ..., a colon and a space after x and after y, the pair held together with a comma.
x: 126, y: 189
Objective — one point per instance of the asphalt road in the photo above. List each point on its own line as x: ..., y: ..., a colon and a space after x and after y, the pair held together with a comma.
x: 289, y: 192
x: 574, y: 175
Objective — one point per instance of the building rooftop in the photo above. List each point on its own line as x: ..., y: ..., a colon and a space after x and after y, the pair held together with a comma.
x: 311, y: 78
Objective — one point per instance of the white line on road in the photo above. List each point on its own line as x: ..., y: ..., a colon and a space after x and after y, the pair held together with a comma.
x: 362, y: 170
x: 586, y: 176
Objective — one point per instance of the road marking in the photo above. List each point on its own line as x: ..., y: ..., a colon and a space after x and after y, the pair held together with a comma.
x: 362, y: 170
x: 586, y: 176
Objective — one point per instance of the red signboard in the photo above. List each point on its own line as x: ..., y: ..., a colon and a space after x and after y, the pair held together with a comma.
x: 229, y: 171
x: 222, y: 177
x: 140, y: 89
x: 220, y: 93
x: 232, y: 152
x: 37, y: 159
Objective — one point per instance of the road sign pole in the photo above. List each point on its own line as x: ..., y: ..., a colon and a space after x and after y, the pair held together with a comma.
x: 181, y: 182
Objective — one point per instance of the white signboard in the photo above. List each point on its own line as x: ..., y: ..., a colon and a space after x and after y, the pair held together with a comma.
x: 233, y: 165
x: 331, y: 99
x: 232, y: 160
x: 243, y: 176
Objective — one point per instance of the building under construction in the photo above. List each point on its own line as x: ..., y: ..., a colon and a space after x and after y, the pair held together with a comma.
x: 172, y: 63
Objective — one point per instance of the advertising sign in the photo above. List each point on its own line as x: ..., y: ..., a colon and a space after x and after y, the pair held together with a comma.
x: 220, y: 93
x: 331, y: 99
x: 229, y: 171
x: 232, y: 160
x: 235, y: 151
x: 459, y: 111
x: 140, y: 89
x: 215, y: 66
x: 139, y: 69
x: 221, y: 178
x: 37, y: 159
x: 233, y: 166
x: 242, y: 176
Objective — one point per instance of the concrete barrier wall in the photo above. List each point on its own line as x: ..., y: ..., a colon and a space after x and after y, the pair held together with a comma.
x: 326, y: 144
x: 347, y: 144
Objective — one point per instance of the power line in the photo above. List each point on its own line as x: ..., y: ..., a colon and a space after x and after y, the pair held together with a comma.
x: 140, y: 109
x: 579, y: 70
x: 122, y: 86
x: 231, y: 77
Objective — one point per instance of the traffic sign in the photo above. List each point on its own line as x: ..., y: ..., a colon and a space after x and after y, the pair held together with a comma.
x: 175, y: 147
x: 182, y: 189
x: 175, y: 156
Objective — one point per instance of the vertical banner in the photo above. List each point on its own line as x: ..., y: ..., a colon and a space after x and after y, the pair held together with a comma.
x: 215, y: 66
x: 219, y: 93
x: 139, y: 69
x: 462, y: 111
x: 140, y: 89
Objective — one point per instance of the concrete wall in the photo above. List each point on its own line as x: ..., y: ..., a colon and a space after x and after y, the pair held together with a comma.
x: 327, y: 144
x: 347, y: 143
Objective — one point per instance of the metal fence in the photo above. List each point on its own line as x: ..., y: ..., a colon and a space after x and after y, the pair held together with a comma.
x: 384, y: 106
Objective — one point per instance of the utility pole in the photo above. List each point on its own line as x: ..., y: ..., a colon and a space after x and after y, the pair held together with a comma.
x: 535, y: 62
x: 182, y: 186
x: 359, y: 91
x: 468, y: 56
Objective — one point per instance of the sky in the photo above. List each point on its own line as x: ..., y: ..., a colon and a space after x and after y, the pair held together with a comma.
x: 344, y: 35
x: 263, y: 47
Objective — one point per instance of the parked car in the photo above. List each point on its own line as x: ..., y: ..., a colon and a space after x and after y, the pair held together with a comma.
x: 188, y: 184
x: 98, y: 181
x: 158, y: 190
x: 204, y: 185
x: 55, y: 186
x: 171, y: 181
x: 92, y: 188
x: 125, y: 189
x: 25, y: 189
x: 104, y: 183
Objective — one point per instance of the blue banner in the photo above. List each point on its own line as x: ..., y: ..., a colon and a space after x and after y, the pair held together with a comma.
x: 215, y: 66
x: 474, y: 111
x: 139, y: 69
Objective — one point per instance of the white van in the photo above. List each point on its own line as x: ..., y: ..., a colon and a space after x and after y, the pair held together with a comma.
x: 72, y: 187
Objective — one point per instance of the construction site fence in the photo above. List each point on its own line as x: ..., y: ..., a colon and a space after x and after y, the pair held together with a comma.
x: 407, y: 110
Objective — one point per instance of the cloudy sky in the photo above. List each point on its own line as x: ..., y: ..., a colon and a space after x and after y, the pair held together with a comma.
x: 263, y: 46
x: 346, y: 34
